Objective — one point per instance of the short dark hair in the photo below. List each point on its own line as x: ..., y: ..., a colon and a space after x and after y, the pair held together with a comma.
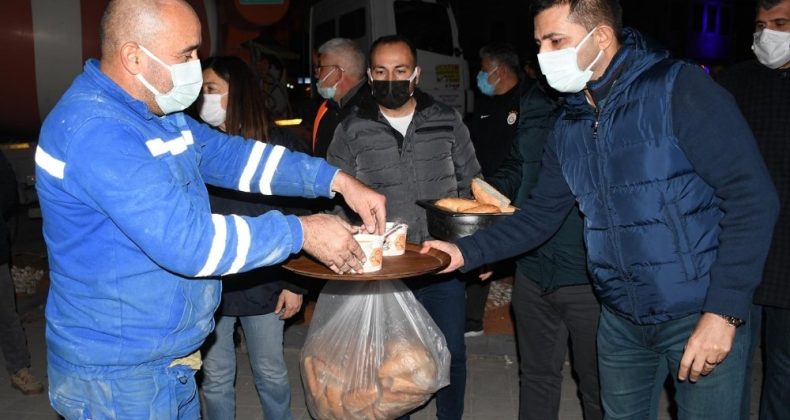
x: 767, y: 4
x: 247, y: 115
x: 393, y: 39
x: 588, y: 13
x: 502, y: 53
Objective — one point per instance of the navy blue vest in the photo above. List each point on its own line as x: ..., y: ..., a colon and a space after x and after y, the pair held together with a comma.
x: 651, y: 223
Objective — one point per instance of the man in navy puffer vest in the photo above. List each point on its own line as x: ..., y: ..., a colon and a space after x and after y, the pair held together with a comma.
x: 678, y: 205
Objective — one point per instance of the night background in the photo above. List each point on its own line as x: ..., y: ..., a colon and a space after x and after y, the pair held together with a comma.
x: 712, y: 32
x: 715, y: 33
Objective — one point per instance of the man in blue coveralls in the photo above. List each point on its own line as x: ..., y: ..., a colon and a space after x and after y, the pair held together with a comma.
x: 134, y: 250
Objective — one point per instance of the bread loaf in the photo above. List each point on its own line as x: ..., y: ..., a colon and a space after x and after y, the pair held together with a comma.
x: 486, y: 194
x: 404, y: 358
x: 483, y: 208
x: 399, y: 384
x: 312, y: 381
x: 456, y: 205
x: 393, y: 404
x: 359, y: 403
x: 334, y: 398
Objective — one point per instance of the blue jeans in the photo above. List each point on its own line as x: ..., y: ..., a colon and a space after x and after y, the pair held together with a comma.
x: 775, y: 400
x: 444, y: 300
x: 166, y: 393
x: 264, y: 335
x: 634, y: 360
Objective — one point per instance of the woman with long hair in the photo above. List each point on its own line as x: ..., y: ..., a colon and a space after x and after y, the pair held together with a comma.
x: 233, y: 102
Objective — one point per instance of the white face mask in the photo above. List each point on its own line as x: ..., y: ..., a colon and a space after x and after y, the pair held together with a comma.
x: 187, y: 81
x: 772, y: 48
x: 211, y: 110
x: 562, y: 70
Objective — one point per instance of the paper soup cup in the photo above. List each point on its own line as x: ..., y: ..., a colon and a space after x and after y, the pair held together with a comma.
x: 395, y: 244
x: 373, y: 246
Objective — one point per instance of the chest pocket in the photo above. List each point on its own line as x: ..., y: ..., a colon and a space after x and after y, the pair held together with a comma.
x: 435, y: 142
x: 437, y: 131
x: 179, y: 155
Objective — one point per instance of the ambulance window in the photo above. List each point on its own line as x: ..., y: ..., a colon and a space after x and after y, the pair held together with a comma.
x: 427, y: 25
x: 324, y: 32
x: 352, y: 24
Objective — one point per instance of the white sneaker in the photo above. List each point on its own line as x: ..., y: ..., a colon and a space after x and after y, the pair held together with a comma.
x: 477, y: 333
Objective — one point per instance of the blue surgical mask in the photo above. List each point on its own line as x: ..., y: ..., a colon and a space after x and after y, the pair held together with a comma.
x: 482, y: 82
x: 187, y: 81
x: 329, y: 91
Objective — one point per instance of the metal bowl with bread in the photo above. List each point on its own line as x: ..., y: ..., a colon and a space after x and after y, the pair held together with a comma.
x: 453, y: 218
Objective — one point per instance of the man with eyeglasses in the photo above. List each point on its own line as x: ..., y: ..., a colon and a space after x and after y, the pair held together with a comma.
x: 404, y: 144
x: 340, y: 80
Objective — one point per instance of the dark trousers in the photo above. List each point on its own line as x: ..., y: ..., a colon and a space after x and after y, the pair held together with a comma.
x: 754, y: 326
x: 443, y: 299
x: 476, y: 296
x: 543, y: 325
x: 775, y: 400
x: 477, y: 292
x: 12, y: 336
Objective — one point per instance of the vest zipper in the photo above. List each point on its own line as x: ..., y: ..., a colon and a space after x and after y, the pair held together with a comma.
x: 605, y: 187
x: 625, y: 274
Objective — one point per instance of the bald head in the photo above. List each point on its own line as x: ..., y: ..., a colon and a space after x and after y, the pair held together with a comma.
x: 140, y: 21
x: 142, y: 40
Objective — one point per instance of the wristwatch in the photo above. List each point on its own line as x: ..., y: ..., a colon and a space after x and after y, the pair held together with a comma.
x: 732, y: 321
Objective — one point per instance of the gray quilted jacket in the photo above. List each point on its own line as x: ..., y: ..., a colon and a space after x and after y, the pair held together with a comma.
x: 435, y: 159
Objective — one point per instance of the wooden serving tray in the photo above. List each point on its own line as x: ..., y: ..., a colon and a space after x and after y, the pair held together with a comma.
x: 410, y: 264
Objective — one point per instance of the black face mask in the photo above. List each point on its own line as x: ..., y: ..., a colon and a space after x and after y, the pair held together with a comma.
x: 390, y: 94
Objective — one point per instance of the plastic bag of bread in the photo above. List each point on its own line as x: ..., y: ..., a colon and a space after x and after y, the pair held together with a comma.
x: 372, y: 352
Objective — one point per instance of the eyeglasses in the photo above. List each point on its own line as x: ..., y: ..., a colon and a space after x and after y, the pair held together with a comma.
x: 317, y: 69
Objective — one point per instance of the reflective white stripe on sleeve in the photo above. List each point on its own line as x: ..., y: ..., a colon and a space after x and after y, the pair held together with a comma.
x: 176, y: 146
x: 53, y: 166
x: 270, y: 168
x: 188, y: 139
x: 252, y: 165
x: 242, y: 244
x: 217, y: 246
x: 156, y: 147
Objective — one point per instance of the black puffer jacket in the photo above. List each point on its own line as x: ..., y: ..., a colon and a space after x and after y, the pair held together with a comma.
x: 435, y: 159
